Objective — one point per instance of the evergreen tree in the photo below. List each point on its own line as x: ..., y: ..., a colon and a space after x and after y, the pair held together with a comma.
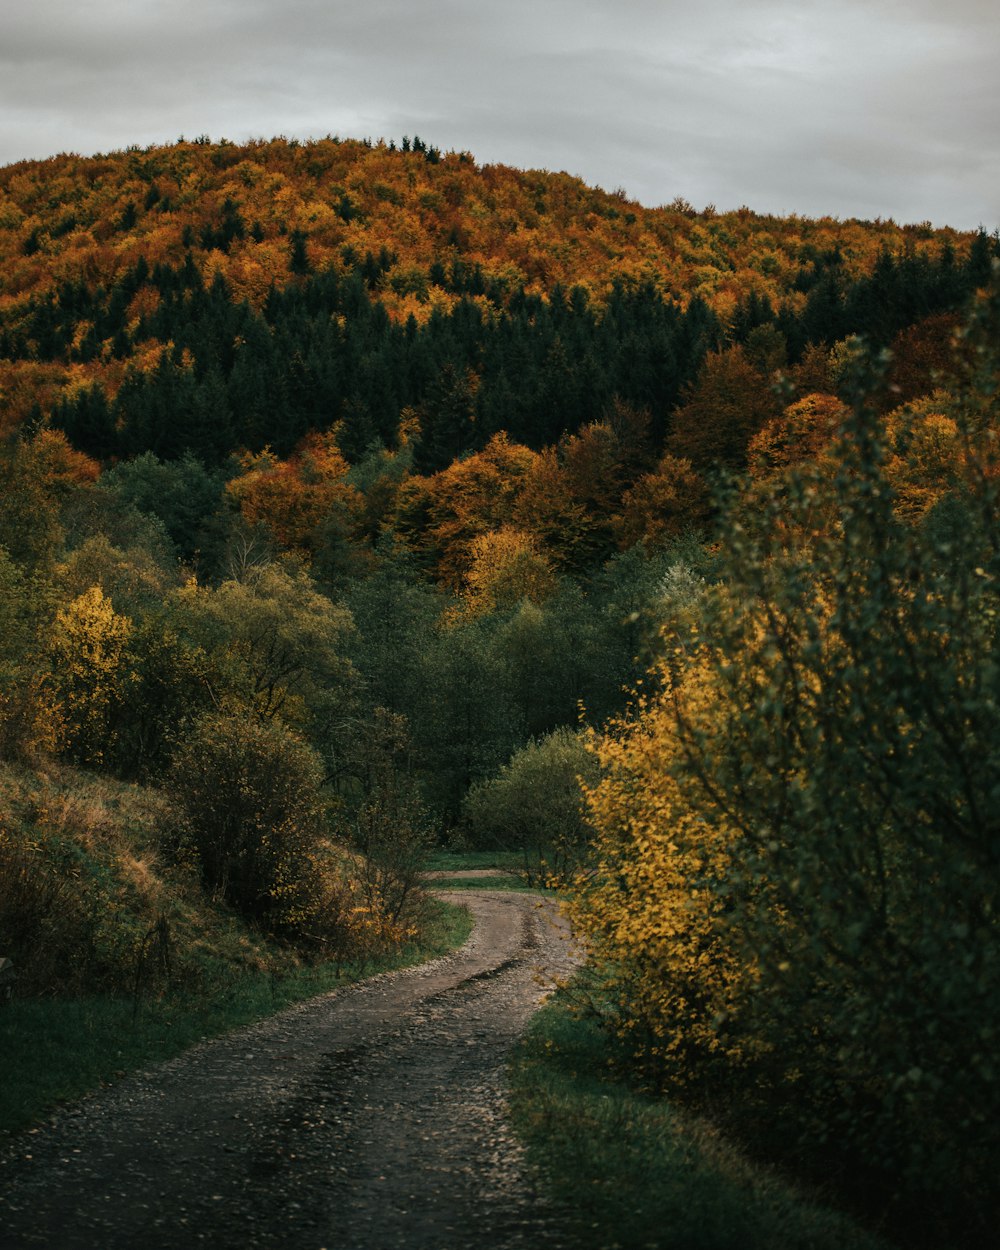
x: 447, y: 420
x: 88, y: 422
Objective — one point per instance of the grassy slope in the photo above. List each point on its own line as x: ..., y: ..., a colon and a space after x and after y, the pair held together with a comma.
x: 84, y: 881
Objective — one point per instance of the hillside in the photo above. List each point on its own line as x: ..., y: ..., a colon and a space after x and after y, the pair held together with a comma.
x: 281, y: 286
x: 236, y: 207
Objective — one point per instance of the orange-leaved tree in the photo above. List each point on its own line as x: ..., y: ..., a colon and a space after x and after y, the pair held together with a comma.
x: 730, y: 400
x: 303, y: 501
x: 440, y: 516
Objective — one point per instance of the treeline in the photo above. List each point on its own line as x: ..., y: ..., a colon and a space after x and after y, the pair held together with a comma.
x: 347, y: 275
x: 431, y: 226
x: 326, y: 351
x: 323, y: 350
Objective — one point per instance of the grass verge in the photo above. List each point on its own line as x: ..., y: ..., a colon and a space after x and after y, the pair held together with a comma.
x: 55, y: 1050
x: 466, y: 861
x: 506, y: 884
x: 632, y: 1173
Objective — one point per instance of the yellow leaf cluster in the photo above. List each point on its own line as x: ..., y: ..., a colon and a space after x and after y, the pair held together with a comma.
x: 654, y: 907
x: 87, y: 649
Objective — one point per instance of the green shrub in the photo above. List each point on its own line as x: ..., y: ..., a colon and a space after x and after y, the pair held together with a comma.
x: 251, y: 793
x: 535, y: 804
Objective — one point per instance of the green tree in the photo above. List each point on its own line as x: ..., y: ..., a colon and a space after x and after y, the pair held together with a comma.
x: 170, y: 682
x: 136, y: 578
x: 396, y: 617
x: 447, y: 420
x: 88, y: 421
x: 164, y: 679
x: 280, y: 648
x: 469, y: 724
x: 30, y: 528
x: 251, y: 793
x: 182, y: 494
x: 535, y: 805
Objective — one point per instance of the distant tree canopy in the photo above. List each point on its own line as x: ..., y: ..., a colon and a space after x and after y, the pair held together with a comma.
x: 368, y: 280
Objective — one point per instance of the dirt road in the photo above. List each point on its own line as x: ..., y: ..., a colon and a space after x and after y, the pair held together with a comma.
x: 370, y: 1118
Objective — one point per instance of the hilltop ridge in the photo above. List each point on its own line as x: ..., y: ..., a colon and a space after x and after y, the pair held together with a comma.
x: 278, y: 287
x: 237, y: 206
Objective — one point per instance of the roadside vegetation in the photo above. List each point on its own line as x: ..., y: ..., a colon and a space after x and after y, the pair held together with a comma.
x: 791, y: 900
x: 630, y: 1170
x: 123, y: 960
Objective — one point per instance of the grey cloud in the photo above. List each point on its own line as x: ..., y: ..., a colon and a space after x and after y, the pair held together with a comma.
x: 869, y: 107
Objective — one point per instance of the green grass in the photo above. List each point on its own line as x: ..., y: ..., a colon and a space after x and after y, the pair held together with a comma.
x: 466, y: 861
x: 507, y: 884
x: 633, y: 1173
x: 459, y: 863
x: 56, y: 1050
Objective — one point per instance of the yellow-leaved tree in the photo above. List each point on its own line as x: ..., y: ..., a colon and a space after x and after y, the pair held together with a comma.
x: 654, y: 898
x: 506, y: 567
x: 796, y: 835
x: 88, y: 674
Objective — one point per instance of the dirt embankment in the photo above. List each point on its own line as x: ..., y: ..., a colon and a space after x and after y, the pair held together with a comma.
x: 370, y: 1118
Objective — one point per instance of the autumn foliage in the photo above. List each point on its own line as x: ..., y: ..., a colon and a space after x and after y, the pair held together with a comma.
x: 359, y: 496
x: 793, y: 894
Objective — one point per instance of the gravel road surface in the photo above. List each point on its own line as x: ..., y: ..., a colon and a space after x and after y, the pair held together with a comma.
x: 367, y: 1119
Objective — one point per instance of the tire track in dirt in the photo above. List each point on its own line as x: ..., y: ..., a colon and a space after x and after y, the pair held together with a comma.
x: 367, y: 1119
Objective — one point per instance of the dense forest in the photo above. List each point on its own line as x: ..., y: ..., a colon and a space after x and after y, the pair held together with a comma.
x: 359, y: 498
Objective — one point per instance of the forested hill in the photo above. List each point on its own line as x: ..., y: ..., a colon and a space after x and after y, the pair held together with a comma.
x: 209, y: 297
x: 357, y: 498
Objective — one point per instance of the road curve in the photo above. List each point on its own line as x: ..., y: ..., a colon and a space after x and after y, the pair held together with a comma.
x: 366, y: 1119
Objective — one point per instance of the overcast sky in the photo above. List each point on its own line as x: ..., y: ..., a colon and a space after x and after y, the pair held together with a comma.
x: 849, y: 108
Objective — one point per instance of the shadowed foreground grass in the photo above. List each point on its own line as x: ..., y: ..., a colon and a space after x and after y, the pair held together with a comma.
x: 634, y: 1173
x: 55, y: 1050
